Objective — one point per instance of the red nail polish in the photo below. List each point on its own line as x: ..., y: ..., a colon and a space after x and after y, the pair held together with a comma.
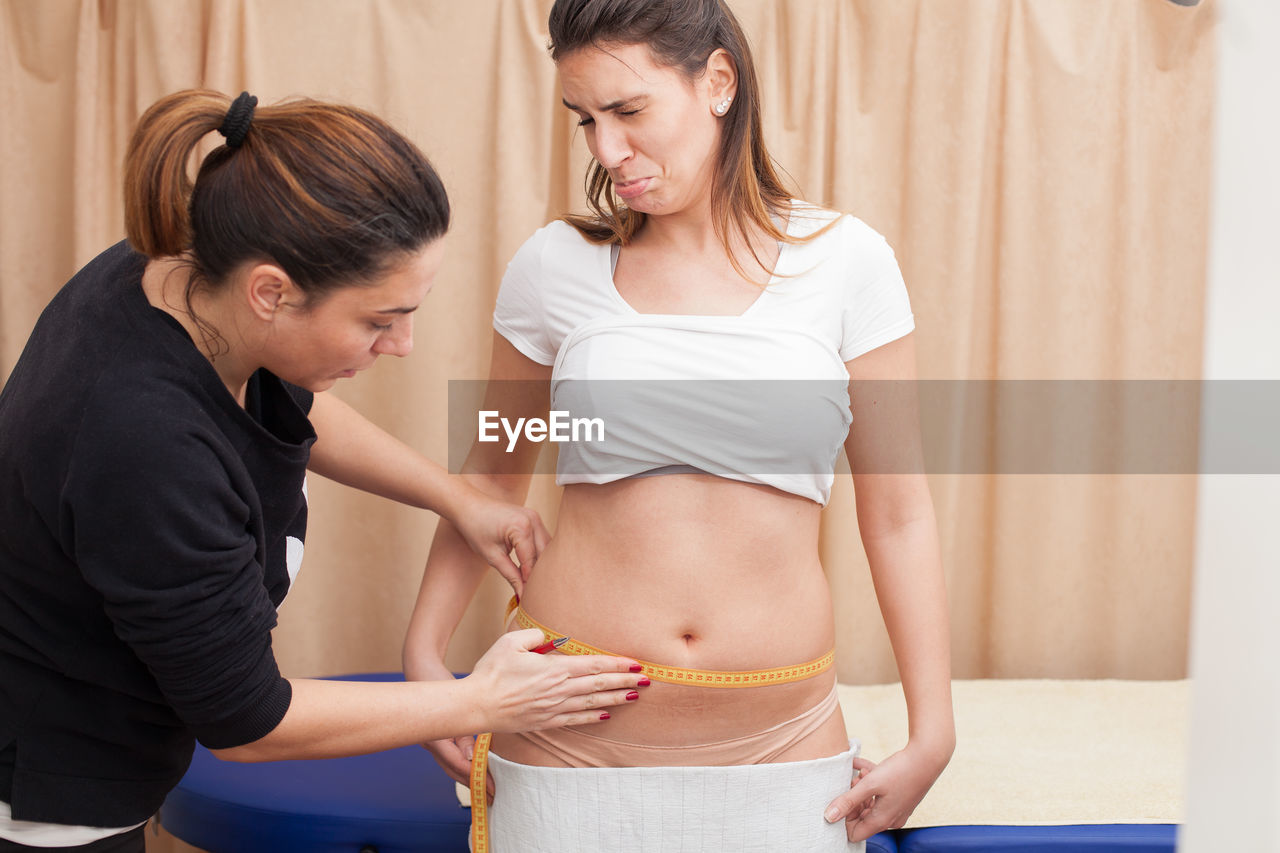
x: 605, y: 715
x: 635, y: 667
x: 644, y: 682
x: 632, y: 696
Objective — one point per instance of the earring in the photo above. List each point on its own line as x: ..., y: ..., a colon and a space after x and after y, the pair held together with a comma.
x: 723, y: 107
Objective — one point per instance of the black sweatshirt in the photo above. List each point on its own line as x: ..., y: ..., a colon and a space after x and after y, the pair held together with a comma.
x: 144, y: 518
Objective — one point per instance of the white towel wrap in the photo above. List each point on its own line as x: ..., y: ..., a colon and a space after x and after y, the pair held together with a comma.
x: 754, y: 808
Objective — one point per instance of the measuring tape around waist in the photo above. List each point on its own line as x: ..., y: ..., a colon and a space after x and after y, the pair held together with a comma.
x: 655, y: 671
x: 692, y: 677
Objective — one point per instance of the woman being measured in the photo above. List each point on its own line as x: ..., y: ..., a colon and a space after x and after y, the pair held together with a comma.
x: 688, y: 538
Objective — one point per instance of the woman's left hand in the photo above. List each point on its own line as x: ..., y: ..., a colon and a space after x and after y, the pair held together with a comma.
x: 494, y: 528
x: 883, y: 796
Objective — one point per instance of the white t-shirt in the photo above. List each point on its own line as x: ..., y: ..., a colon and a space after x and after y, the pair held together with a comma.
x: 760, y: 397
x: 36, y: 834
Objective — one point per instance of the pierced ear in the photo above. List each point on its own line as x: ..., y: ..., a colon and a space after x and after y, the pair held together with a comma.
x: 722, y: 78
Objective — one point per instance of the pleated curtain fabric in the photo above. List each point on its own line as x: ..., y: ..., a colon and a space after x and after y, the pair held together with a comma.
x: 1041, y: 168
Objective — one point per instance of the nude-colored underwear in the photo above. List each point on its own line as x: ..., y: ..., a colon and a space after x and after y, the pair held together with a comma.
x: 574, y: 747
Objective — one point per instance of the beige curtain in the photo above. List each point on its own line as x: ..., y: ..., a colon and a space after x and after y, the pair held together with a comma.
x: 1040, y: 167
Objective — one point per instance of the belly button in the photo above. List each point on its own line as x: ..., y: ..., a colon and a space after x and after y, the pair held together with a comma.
x: 688, y: 638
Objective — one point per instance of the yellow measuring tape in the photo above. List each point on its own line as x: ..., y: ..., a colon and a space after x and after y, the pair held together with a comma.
x: 480, y: 795
x: 694, y: 677
x: 655, y: 671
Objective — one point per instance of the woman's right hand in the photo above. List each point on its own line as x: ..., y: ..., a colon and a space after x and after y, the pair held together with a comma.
x: 494, y: 529
x: 452, y: 754
x: 518, y: 690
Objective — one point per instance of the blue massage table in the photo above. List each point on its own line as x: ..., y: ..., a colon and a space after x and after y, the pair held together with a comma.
x: 399, y: 801
x: 1113, y: 838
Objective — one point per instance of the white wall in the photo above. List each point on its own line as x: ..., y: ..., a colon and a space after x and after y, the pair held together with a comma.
x: 1233, y: 795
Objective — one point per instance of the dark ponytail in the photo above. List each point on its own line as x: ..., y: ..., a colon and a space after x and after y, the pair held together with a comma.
x: 331, y: 194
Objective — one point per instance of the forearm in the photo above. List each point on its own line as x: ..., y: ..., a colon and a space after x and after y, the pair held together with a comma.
x: 351, y: 450
x: 449, y: 582
x: 452, y: 575
x: 906, y: 569
x: 518, y: 388
x: 330, y: 719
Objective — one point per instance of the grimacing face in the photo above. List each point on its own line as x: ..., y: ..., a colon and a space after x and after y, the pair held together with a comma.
x: 647, y: 124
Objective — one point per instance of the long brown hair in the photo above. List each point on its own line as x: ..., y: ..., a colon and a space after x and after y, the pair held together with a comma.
x: 746, y: 191
x: 330, y: 193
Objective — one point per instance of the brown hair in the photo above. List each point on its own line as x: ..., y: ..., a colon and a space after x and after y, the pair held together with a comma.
x: 746, y: 191
x: 330, y: 193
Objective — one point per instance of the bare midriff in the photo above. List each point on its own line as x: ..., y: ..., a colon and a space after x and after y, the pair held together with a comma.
x: 699, y: 572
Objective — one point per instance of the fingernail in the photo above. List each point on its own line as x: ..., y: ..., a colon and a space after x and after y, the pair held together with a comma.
x: 635, y: 667
x: 605, y: 715
x: 832, y: 815
x: 632, y: 696
x: 644, y: 682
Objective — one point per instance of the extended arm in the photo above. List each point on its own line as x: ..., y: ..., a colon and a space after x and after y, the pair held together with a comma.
x: 352, y: 451
x: 511, y: 689
x: 899, y: 533
x: 518, y: 388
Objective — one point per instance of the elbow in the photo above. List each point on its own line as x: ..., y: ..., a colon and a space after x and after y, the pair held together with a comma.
x: 248, y: 753
x: 510, y: 488
x: 941, y: 750
x: 895, y: 527
x: 252, y: 732
x: 237, y: 754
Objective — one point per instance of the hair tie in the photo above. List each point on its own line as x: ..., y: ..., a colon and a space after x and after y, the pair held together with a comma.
x: 236, y: 124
